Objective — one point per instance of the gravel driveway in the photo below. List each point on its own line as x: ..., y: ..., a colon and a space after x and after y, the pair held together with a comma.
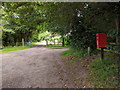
x: 32, y: 68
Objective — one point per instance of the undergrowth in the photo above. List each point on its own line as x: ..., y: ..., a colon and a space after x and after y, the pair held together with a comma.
x: 75, y: 53
x: 104, y: 73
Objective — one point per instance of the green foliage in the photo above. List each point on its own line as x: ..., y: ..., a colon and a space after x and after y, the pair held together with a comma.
x: 22, y: 18
x: 66, y: 40
x: 83, y: 38
x: 56, y: 46
x: 75, y: 53
x: 79, y: 22
x: 44, y: 36
x: 104, y: 73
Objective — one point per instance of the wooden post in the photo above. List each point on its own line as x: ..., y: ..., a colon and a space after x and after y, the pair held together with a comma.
x: 54, y: 41
x: 57, y: 42
x: 88, y: 51
x: 102, y: 53
x: 63, y: 41
x: 23, y: 42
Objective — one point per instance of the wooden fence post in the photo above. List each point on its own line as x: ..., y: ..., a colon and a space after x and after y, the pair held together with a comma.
x: 23, y: 42
x: 54, y: 41
x: 88, y: 51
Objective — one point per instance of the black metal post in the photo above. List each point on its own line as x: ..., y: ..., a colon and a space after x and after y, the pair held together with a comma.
x: 102, y: 53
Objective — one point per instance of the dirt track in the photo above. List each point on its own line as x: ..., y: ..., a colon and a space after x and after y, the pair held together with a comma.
x: 37, y: 67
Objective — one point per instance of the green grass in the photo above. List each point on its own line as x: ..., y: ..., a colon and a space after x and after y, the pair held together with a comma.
x: 16, y: 48
x: 56, y: 46
x: 104, y: 73
x: 75, y: 53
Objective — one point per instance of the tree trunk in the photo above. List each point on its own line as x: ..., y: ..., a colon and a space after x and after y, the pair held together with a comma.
x: 46, y: 42
x: 16, y: 43
x: 118, y: 33
x: 54, y: 41
x: 63, y: 41
x: 118, y: 42
x: 117, y: 28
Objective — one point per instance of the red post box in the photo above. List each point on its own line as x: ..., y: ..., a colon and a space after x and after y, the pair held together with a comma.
x: 101, y: 39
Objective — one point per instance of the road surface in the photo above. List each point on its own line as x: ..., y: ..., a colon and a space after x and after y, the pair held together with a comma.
x: 32, y: 68
x: 41, y: 67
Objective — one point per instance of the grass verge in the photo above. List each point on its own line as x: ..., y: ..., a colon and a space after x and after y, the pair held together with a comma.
x: 104, y: 73
x: 75, y: 53
x: 56, y: 46
x: 16, y: 48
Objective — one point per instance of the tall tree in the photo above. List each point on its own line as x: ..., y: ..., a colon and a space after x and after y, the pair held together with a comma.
x: 23, y: 18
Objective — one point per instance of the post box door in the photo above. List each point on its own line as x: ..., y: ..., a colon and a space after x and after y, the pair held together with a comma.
x: 101, y: 39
